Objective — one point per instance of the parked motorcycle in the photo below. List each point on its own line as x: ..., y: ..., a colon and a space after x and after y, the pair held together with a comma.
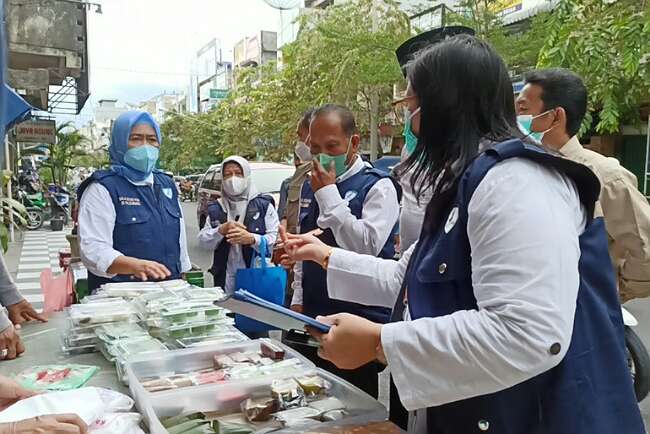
x: 638, y: 359
x: 41, y: 208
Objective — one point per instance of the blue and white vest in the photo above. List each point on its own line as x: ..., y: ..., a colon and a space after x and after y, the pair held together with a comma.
x: 590, y: 391
x: 147, y: 221
x: 316, y: 300
x: 255, y: 222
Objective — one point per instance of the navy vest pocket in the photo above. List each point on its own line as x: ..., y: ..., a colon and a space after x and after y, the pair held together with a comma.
x: 131, y: 226
x: 172, y: 208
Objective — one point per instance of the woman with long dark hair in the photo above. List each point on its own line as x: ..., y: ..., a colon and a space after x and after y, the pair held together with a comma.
x: 505, y: 312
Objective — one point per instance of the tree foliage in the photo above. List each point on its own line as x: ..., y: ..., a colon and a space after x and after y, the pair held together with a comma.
x: 608, y: 44
x: 343, y: 55
x: 339, y: 56
x: 519, y: 46
x: 69, y: 145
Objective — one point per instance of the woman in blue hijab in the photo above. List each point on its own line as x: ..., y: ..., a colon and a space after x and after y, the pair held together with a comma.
x: 130, y: 220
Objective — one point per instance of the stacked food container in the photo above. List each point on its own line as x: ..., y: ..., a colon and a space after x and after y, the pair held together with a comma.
x: 241, y: 388
x: 83, y: 319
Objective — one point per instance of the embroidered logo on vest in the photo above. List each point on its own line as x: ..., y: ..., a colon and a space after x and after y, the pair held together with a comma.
x: 167, y: 192
x: 452, y: 219
x: 350, y: 195
x: 256, y: 216
x: 304, y: 203
x: 129, y: 201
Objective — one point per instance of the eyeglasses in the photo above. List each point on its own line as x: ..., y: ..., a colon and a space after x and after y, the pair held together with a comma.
x: 400, y: 109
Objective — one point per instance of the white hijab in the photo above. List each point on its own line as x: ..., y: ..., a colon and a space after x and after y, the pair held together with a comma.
x: 235, y: 206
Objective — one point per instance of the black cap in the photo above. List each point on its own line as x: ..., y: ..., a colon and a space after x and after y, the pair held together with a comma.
x: 407, y: 50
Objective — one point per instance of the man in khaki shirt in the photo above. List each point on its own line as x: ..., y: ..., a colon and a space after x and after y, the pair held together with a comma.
x: 557, y: 100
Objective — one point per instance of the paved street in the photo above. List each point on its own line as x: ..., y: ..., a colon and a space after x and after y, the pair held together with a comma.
x: 199, y: 257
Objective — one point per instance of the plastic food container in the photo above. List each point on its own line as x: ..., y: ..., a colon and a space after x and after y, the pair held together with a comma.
x: 126, y: 349
x: 190, y: 330
x: 74, y: 350
x: 177, y: 284
x: 187, y: 360
x: 78, y: 340
x: 112, y: 332
x: 226, y: 335
x: 227, y: 397
x: 100, y: 312
x: 186, y: 314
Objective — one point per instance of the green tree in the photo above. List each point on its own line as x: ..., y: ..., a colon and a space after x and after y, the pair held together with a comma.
x: 189, y: 142
x: 607, y: 43
x: 518, y: 45
x: 69, y: 144
x: 339, y: 56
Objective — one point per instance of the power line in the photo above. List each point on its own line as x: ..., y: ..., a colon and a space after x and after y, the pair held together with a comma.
x: 184, y: 74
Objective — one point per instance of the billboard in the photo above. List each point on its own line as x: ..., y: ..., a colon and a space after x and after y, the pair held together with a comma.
x: 505, y: 7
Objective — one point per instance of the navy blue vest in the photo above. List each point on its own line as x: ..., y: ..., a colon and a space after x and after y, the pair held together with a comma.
x: 314, y: 279
x: 147, y: 221
x: 255, y: 222
x: 590, y: 391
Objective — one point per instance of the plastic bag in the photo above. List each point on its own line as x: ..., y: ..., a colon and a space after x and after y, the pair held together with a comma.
x: 86, y: 403
x: 55, y: 377
x: 117, y: 423
x: 58, y: 292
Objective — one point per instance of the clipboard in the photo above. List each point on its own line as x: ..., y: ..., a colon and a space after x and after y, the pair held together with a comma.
x: 245, y: 303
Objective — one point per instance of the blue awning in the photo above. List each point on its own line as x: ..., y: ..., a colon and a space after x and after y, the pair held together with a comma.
x: 16, y: 108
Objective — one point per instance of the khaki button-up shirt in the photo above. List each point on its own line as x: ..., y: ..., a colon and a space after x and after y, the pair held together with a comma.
x: 627, y: 219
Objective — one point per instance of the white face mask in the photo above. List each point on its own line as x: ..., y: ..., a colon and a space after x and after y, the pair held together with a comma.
x: 234, y: 186
x: 302, y: 151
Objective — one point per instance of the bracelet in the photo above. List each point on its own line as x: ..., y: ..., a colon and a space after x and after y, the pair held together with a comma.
x: 326, y: 259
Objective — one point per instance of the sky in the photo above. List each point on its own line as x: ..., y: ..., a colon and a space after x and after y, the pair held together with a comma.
x: 141, y: 48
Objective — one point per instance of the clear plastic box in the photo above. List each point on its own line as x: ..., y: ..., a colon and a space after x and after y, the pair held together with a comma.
x: 226, y: 334
x: 195, y: 359
x: 189, y: 313
x: 188, y: 330
x: 227, y: 397
x: 101, y: 312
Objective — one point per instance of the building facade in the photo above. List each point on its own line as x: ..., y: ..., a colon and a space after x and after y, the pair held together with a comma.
x: 48, y: 53
x: 211, y: 78
x: 254, y: 51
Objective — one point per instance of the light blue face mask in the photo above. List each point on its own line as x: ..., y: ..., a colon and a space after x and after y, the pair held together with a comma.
x: 142, y: 158
x: 410, y: 139
x: 526, y: 124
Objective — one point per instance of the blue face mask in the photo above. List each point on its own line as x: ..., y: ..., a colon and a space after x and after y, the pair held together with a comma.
x: 526, y: 125
x: 340, y: 164
x: 410, y: 139
x: 143, y: 158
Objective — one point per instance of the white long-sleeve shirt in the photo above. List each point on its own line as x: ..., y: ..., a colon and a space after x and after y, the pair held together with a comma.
x: 523, y: 228
x: 367, y: 235
x: 413, y: 211
x: 96, y: 223
x: 210, y: 239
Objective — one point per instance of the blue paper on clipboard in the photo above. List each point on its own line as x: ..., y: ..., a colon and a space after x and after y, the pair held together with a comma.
x: 245, y: 303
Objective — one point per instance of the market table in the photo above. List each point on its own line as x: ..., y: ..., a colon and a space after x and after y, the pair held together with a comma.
x: 43, y: 347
